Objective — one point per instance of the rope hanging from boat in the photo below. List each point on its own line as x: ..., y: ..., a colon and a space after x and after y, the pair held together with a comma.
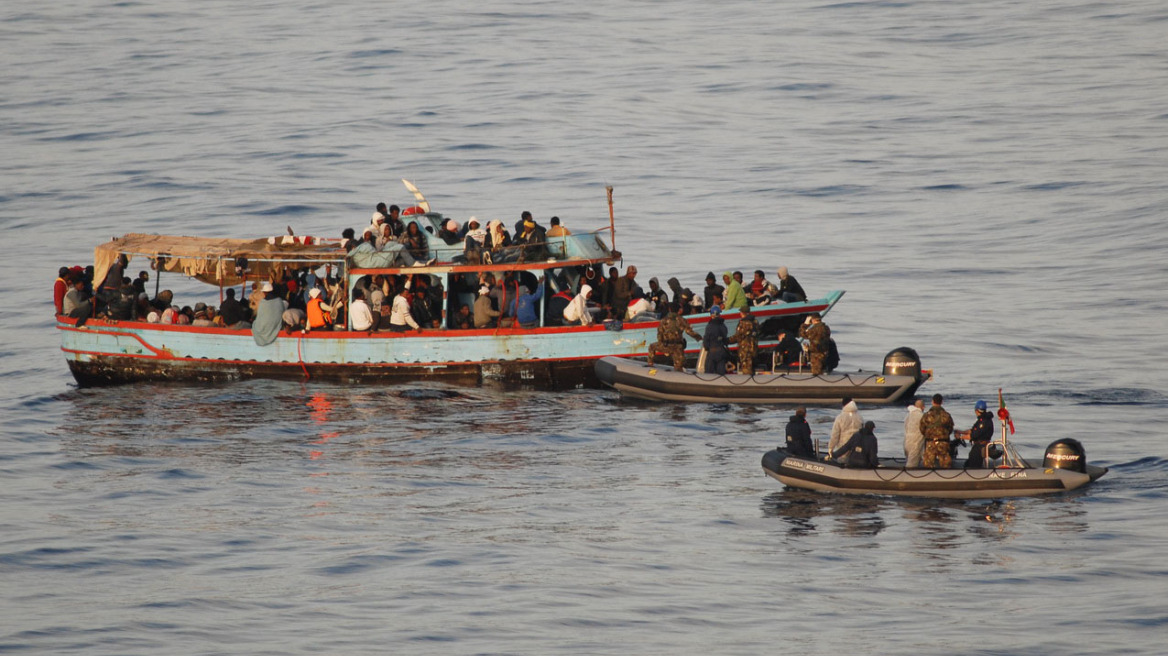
x: 775, y: 378
x: 301, y: 357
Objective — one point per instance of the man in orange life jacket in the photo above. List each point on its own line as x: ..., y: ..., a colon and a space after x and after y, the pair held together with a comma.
x: 319, y: 317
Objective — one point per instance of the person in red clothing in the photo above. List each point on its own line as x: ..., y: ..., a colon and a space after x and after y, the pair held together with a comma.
x: 60, y: 288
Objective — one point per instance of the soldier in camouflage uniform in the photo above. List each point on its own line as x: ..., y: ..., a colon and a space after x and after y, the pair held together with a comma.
x: 936, y: 425
x: 818, y: 337
x: 670, y: 338
x: 746, y: 336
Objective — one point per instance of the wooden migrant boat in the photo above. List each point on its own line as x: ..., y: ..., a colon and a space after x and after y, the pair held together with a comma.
x: 104, y: 351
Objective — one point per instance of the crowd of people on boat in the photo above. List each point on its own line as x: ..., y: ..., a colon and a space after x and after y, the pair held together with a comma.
x: 930, y: 440
x: 301, y: 299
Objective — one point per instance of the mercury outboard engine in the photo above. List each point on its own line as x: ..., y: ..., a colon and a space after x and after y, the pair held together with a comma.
x: 1066, y: 454
x: 902, y: 361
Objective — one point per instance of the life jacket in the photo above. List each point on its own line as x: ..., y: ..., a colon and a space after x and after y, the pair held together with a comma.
x: 317, y: 318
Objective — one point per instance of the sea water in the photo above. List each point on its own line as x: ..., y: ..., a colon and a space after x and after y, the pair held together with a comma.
x: 986, y: 180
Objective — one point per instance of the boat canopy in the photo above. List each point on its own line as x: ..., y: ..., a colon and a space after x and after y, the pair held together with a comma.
x: 213, y: 260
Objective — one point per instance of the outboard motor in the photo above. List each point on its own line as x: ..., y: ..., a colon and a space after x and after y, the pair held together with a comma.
x: 902, y: 361
x: 1066, y: 454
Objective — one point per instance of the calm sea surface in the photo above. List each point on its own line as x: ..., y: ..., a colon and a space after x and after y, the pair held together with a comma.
x: 986, y: 180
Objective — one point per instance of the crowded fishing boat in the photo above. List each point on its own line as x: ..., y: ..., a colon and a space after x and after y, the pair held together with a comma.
x: 414, y: 295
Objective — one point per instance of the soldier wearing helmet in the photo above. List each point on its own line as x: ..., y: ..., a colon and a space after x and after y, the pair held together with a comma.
x: 979, y: 436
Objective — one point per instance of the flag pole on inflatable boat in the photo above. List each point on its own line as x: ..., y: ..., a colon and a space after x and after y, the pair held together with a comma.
x: 611, y: 218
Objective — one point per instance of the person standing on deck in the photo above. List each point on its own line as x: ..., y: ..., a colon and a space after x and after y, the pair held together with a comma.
x: 936, y: 425
x: 914, y: 439
x: 746, y: 336
x: 979, y: 436
x: 846, y: 424
x: 818, y: 337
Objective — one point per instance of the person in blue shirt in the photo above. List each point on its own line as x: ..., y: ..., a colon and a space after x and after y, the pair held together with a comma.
x: 527, y: 304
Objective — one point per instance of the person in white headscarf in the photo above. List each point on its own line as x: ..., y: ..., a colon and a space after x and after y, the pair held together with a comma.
x: 577, y: 314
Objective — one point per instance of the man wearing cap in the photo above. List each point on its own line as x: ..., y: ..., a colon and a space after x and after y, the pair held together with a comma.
x: 735, y: 296
x: 485, y: 315
x: 818, y: 337
x: 201, y: 319
x: 318, y: 312
x: 714, y: 341
x: 269, y: 317
x: 712, y: 289
x: 746, y: 337
x: 790, y: 291
x: 936, y: 425
x: 979, y: 436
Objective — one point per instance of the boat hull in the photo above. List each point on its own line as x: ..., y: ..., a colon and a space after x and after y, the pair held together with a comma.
x: 891, y: 479
x: 642, y: 380
x: 103, y: 352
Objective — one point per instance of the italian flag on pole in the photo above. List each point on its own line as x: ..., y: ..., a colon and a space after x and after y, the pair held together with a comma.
x: 1003, y: 413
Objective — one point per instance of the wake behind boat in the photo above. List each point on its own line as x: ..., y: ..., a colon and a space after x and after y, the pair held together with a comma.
x: 900, y: 378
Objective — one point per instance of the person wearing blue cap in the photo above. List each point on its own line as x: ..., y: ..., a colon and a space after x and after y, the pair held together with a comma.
x: 979, y: 436
x: 714, y: 341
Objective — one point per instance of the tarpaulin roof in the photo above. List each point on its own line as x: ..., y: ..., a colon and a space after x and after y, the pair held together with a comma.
x: 212, y: 260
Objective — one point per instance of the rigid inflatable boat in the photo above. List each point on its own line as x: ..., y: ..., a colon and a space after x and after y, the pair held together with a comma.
x: 901, y: 377
x: 1064, y: 468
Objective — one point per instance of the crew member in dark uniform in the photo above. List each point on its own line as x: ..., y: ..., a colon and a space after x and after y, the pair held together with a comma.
x: 979, y: 436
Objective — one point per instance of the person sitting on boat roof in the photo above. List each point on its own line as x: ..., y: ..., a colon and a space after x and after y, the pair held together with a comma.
x: 577, y: 312
x: 401, y: 318
x: 818, y: 337
x: 714, y: 342
x: 746, y: 336
x: 979, y: 435
x: 485, y: 314
x: 859, y: 452
x: 937, y: 424
x: 532, y: 237
x: 914, y: 439
x: 555, y: 229
x: 846, y: 424
x: 671, y: 337
x: 799, y: 435
x: 415, y: 242
x: 498, y: 242
x: 269, y: 317
x: 735, y: 297
x: 359, y: 313
x: 712, y: 289
x: 790, y: 291
x: 448, y: 233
